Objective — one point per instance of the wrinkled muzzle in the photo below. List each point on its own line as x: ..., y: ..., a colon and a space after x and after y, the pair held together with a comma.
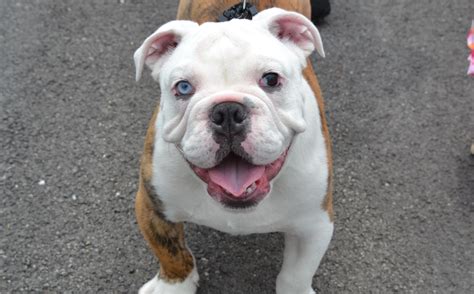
x: 235, y: 144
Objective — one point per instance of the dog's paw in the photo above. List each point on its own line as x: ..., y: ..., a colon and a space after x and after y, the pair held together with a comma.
x: 292, y: 288
x: 159, y: 286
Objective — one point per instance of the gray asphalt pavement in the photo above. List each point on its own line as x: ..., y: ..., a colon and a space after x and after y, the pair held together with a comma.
x: 72, y: 123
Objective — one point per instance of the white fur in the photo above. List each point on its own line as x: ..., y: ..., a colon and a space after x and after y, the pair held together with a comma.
x: 159, y: 286
x: 224, y: 62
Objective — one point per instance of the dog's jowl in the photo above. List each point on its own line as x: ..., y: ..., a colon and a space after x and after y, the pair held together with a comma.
x: 239, y: 142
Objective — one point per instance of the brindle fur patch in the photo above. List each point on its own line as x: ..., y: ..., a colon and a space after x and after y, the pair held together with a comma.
x: 165, y: 238
x: 312, y: 80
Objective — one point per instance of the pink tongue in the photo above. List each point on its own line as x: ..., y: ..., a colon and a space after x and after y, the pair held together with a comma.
x: 235, y: 175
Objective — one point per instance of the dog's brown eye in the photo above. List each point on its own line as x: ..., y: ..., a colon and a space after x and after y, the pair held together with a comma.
x: 270, y: 79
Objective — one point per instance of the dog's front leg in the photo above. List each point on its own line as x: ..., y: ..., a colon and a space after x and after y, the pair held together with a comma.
x: 177, y: 274
x: 303, y: 253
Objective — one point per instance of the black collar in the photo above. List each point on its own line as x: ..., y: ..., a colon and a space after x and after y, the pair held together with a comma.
x: 238, y: 11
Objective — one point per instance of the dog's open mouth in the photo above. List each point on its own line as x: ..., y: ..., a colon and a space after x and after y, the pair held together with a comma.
x: 237, y: 183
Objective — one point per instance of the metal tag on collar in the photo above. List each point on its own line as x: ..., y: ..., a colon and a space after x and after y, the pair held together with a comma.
x: 242, y: 10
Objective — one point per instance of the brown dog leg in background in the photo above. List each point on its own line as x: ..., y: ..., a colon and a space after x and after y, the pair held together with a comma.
x: 208, y: 10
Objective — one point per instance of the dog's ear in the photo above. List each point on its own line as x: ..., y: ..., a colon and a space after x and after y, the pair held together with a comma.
x: 293, y: 29
x: 156, y: 48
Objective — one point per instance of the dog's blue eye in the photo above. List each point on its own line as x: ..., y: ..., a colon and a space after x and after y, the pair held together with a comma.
x: 270, y: 79
x: 184, y: 88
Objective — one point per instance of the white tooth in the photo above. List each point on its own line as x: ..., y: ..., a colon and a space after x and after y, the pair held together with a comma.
x: 251, y: 188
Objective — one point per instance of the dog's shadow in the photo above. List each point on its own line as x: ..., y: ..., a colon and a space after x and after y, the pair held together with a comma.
x: 235, y: 264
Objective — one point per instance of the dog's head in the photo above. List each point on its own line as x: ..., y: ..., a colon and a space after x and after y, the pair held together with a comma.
x: 231, y: 96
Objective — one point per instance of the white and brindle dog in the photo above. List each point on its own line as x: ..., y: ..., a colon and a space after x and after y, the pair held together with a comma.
x: 239, y: 143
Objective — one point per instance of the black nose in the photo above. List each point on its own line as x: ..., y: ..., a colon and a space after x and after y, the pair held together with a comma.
x: 229, y: 118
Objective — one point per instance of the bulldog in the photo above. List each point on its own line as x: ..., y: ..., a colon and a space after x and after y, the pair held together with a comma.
x: 239, y: 141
